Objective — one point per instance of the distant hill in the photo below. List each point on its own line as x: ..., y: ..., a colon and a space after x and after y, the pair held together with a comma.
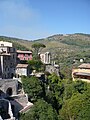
x: 64, y: 47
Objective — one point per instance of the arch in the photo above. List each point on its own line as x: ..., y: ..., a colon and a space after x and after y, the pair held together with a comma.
x: 9, y: 91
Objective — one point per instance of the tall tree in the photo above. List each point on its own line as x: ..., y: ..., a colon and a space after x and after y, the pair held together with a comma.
x: 37, y: 48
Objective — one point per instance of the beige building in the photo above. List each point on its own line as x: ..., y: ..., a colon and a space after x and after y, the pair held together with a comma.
x: 82, y: 72
x: 7, y: 60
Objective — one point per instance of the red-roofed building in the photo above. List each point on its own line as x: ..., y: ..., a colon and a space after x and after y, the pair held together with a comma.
x: 24, y: 55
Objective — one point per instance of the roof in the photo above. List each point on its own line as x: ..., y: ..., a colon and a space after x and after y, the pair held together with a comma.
x: 22, y: 66
x: 85, y: 65
x: 82, y: 73
x: 20, y: 51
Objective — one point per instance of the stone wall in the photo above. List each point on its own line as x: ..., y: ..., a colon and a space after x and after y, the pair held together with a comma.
x: 8, y: 87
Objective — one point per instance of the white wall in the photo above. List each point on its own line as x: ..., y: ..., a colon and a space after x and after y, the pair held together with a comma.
x: 5, y: 44
x: 21, y: 71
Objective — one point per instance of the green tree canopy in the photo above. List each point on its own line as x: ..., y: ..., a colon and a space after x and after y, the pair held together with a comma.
x: 77, y: 107
x: 36, y: 65
x: 32, y: 86
x: 40, y: 111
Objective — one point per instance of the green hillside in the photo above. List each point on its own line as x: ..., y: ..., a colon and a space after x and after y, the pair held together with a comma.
x: 65, y: 49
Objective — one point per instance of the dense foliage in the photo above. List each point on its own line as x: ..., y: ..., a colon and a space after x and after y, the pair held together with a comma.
x: 57, y: 99
x: 33, y: 87
x: 36, y: 64
x: 40, y: 111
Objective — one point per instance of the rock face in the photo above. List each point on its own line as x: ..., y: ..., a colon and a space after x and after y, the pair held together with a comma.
x: 53, y: 69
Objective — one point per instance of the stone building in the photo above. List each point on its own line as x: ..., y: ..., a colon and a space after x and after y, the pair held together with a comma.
x: 7, y: 60
x: 9, y: 85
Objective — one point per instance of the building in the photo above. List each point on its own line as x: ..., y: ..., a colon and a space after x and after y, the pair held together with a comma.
x: 12, y: 97
x: 24, y: 55
x: 82, y: 72
x: 45, y: 57
x: 22, y: 69
x: 7, y: 60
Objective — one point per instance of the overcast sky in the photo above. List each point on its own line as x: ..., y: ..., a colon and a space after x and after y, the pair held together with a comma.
x: 33, y: 19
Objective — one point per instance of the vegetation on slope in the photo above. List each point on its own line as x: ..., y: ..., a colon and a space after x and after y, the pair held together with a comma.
x: 17, y: 43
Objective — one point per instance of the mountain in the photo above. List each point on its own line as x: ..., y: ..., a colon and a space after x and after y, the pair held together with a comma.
x: 64, y: 47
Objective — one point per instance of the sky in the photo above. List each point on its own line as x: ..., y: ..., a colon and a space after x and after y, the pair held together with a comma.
x: 36, y: 19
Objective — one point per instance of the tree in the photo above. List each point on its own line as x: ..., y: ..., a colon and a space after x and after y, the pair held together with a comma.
x: 37, y: 47
x: 77, y: 107
x: 40, y: 111
x: 56, y: 87
x: 32, y: 86
x: 36, y: 65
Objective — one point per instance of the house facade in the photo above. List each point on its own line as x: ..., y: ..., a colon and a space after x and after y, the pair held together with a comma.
x: 24, y: 55
x: 7, y: 60
x: 82, y: 72
x: 22, y: 69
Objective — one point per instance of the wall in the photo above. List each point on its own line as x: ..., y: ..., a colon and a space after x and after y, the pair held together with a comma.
x: 21, y: 71
x: 8, y: 83
x: 5, y: 43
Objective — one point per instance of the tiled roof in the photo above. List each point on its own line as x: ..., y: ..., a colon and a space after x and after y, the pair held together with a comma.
x: 85, y: 65
x: 20, y: 51
x: 21, y: 65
